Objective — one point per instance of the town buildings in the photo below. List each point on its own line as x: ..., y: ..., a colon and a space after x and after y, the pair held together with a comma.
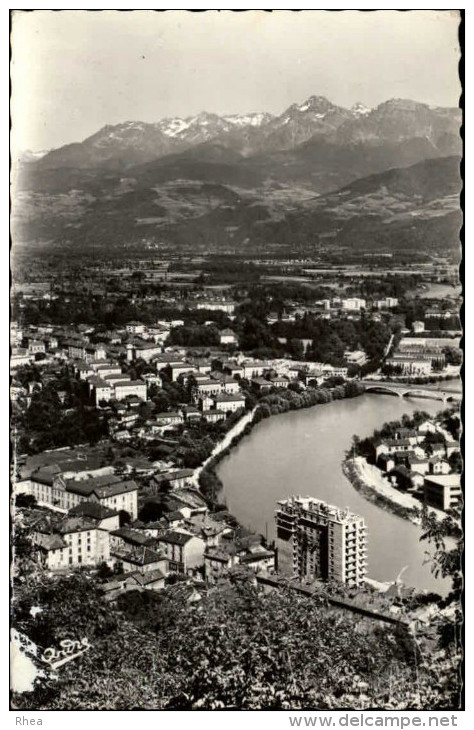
x: 317, y: 540
x: 60, y: 493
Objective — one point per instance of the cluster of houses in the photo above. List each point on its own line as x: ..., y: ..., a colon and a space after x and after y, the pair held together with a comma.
x: 78, y: 521
x: 335, y: 308
x: 134, y: 341
x: 421, y: 466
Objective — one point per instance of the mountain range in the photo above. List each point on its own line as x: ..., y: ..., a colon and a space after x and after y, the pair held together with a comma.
x: 393, y: 122
x: 238, y: 178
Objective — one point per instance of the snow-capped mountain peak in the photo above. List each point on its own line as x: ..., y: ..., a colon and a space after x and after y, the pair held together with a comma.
x: 253, y: 119
x: 360, y: 109
x: 174, y: 126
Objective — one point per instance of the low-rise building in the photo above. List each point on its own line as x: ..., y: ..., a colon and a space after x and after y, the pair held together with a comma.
x: 143, y: 350
x: 279, y: 381
x: 443, y: 491
x: 95, y: 352
x: 106, y: 369
x: 128, y: 538
x: 169, y: 418
x: 36, y: 346
x: 184, y: 551
x: 387, y: 303
x: 142, y: 559
x: 70, y: 542
x: 191, y: 413
x: 19, y: 357
x: 213, y: 416
x: 355, y: 357
x: 229, y: 384
x: 135, y: 328
x: 392, y: 446
x: 255, y: 368
x: 228, y: 337
x: 353, y: 304
x: 261, y: 385
x: 124, y: 389
x: 176, y: 479
x: 217, y: 305
x: 438, y: 465
x: 218, y: 561
x: 210, y: 387
x: 181, y: 368
x: 410, y: 364
x: 259, y: 559
x: 100, y: 390
x: 229, y: 403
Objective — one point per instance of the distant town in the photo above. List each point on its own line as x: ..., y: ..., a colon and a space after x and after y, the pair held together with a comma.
x: 126, y: 382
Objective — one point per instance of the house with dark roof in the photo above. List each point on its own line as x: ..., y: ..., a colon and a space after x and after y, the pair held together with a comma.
x: 218, y: 561
x: 261, y: 385
x: 53, y: 490
x: 67, y: 542
x: 229, y: 403
x: 190, y: 498
x: 125, y: 537
x: 438, y: 465
x: 213, y: 416
x: 191, y: 413
x: 408, y: 434
x: 177, y: 478
x: 184, y: 550
x: 102, y: 516
x: 152, y: 580
x: 386, y: 462
x: 210, y: 530
x: 258, y: 558
x: 143, y: 559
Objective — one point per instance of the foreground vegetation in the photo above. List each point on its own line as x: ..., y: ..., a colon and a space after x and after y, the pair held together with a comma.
x: 236, y: 648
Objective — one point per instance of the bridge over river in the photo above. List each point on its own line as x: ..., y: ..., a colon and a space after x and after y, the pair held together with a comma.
x: 411, y: 390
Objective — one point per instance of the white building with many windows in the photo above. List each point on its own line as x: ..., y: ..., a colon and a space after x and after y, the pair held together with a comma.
x: 71, y: 542
x: 317, y: 540
x: 62, y: 494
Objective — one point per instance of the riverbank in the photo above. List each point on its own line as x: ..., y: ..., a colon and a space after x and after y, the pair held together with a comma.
x: 370, y: 482
x: 226, y: 442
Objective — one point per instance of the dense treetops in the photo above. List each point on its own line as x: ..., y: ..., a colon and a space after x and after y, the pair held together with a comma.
x: 234, y: 649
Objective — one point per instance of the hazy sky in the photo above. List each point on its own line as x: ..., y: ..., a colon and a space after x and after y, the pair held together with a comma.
x: 75, y: 71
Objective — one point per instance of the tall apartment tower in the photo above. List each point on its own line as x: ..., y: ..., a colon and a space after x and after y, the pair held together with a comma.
x: 318, y: 540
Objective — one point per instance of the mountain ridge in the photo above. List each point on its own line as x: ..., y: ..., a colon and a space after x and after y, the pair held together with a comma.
x: 129, y: 143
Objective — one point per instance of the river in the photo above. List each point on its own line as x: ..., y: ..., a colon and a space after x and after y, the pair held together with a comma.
x: 301, y: 453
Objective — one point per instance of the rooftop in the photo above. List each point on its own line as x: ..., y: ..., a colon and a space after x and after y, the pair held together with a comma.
x: 174, y: 537
x: 444, y: 480
x: 93, y: 510
x: 318, y: 507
